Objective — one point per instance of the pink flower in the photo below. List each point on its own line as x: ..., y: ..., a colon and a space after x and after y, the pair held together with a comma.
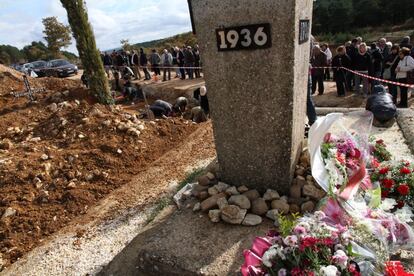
x: 327, y: 138
x: 299, y: 230
x: 340, y: 258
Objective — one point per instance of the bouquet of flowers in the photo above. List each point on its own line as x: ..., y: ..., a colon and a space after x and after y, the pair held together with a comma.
x: 397, y: 182
x: 379, y: 152
x: 345, y: 165
x: 314, y: 247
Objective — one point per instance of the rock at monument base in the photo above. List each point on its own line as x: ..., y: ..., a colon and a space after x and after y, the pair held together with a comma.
x: 313, y: 192
x: 199, y: 188
x: 242, y: 189
x: 233, y: 214
x: 232, y: 191
x: 221, y: 202
x: 203, y: 180
x: 294, y: 208
x: 281, y: 205
x: 197, y: 207
x: 211, y: 202
x: 259, y: 207
x: 296, y: 191
x: 308, y: 207
x: 252, y: 220
x: 212, y: 191
x: 273, y: 214
x: 210, y: 176
x: 270, y: 195
x: 214, y: 215
x: 252, y: 194
x: 301, y: 181
x: 240, y: 200
x: 221, y: 187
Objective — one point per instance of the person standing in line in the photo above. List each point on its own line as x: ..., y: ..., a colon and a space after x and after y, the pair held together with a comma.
x: 174, y: 53
x: 155, y: 60
x: 376, y: 64
x: 181, y: 60
x: 197, y: 61
x: 189, y: 62
x: 341, y: 60
x: 167, y: 62
x: 391, y: 64
x: 352, y: 52
x: 406, y: 43
x: 143, y: 61
x: 135, y: 65
x: 384, y: 49
x: 362, y: 65
x: 406, y: 64
x: 327, y: 51
x: 318, y: 59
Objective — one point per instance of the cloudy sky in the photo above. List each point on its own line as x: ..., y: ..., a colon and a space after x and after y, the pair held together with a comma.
x: 112, y: 20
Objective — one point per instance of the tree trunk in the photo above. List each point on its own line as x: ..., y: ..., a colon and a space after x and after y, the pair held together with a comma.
x: 88, y: 53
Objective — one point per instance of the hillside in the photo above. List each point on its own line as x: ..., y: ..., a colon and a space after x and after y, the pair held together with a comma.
x: 166, y: 43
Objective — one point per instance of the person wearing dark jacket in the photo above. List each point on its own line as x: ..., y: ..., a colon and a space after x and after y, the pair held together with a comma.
x: 406, y: 43
x: 362, y: 64
x: 189, y: 62
x: 376, y: 64
x: 180, y: 60
x: 135, y: 64
x: 197, y: 61
x: 318, y: 59
x: 390, y: 65
x: 352, y: 52
x: 143, y: 61
x: 107, y: 61
x: 341, y: 60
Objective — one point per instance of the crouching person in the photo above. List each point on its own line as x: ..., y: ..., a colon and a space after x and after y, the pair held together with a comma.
x: 380, y: 103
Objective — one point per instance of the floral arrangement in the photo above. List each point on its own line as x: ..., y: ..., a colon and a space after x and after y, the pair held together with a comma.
x: 314, y: 247
x: 345, y: 164
x: 397, y: 182
x: 378, y: 150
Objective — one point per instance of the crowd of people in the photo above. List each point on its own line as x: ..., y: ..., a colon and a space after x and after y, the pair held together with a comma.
x: 185, y: 61
x: 380, y: 59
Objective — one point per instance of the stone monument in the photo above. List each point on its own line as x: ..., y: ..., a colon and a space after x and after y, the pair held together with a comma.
x: 255, y: 56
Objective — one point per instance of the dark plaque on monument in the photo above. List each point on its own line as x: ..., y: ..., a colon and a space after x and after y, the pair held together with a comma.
x: 304, y: 30
x: 249, y: 37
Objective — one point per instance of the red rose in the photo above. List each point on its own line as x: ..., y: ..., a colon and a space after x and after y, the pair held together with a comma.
x: 388, y: 183
x: 357, y: 153
x: 380, y: 141
x: 400, y: 204
x: 405, y: 170
x: 384, y: 170
x: 384, y: 193
x: 403, y: 189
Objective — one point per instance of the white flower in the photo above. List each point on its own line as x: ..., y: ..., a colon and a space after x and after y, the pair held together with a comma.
x: 319, y: 215
x: 270, y: 255
x: 282, y: 272
x: 388, y: 204
x: 329, y: 270
x: 340, y: 258
x: 291, y: 240
x: 304, y: 225
x: 405, y: 214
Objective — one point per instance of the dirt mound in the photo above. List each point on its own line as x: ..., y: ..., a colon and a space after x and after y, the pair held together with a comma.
x: 62, y: 154
x: 12, y: 80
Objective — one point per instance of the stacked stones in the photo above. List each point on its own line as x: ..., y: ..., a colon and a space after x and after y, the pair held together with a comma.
x: 241, y: 205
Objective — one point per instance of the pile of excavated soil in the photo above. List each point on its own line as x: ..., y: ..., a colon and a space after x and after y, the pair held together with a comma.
x: 12, y: 80
x: 63, y: 153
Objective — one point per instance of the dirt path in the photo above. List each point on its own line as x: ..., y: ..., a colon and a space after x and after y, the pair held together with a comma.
x: 92, y: 240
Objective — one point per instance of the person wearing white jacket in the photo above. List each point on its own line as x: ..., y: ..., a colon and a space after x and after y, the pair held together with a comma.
x: 405, y: 65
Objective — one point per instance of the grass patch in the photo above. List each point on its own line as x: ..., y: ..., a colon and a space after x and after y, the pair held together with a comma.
x: 191, y: 177
x: 164, y: 202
